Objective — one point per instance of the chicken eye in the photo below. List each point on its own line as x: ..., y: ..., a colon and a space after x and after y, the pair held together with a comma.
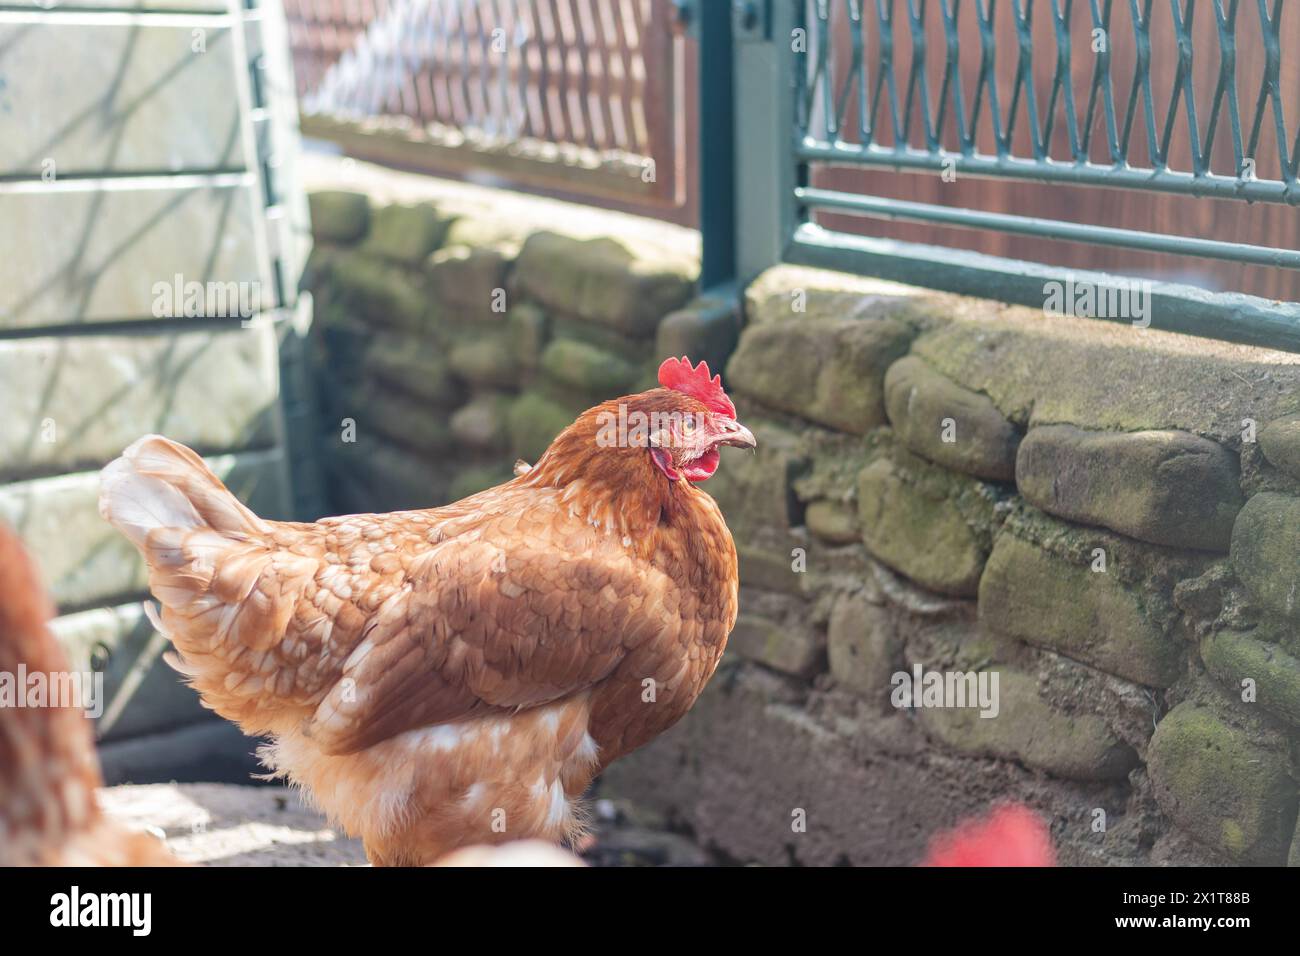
x: 688, y: 425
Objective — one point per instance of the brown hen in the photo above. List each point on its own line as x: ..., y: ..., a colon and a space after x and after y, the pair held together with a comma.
x: 456, y: 676
x: 48, y: 770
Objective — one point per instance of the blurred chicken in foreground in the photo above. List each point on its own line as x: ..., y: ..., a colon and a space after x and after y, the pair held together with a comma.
x: 48, y: 770
x: 1012, y: 835
x: 457, y: 675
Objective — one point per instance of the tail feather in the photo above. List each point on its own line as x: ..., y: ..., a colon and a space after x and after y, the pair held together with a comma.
x: 228, y: 591
x: 159, y: 483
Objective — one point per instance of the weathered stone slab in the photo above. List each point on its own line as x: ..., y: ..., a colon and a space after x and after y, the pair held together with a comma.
x: 775, y: 631
x: 208, y: 750
x: 413, y: 365
x: 833, y: 521
x: 589, y: 369
x: 1108, y: 376
x: 1234, y: 657
x: 750, y: 756
x: 768, y: 563
x: 1265, y: 550
x: 527, y: 329
x: 485, y: 361
x: 796, y: 293
x: 834, y: 461
x: 926, y: 523
x: 622, y: 285
x: 75, y: 403
x: 134, y: 77
x: 1164, y: 487
x: 402, y: 421
x: 863, y: 649
x: 339, y: 215
x: 82, y: 558
x: 705, y: 330
x: 1225, y: 785
x: 471, y: 279
x: 947, y: 424
x: 1038, y: 597
x: 386, y: 295
x: 1028, y: 729
x: 406, y: 234
x: 827, y: 370
x: 98, y: 252
x: 1280, y: 442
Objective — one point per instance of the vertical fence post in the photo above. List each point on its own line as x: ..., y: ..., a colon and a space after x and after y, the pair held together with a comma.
x: 747, y: 171
x: 717, y: 147
x: 764, y: 170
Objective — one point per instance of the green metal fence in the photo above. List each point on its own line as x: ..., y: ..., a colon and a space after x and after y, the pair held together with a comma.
x: 949, y: 89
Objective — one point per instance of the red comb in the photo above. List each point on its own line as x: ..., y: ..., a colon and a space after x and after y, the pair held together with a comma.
x: 678, y: 375
x: 1012, y: 835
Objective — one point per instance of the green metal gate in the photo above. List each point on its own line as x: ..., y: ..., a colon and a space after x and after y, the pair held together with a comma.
x: 842, y: 84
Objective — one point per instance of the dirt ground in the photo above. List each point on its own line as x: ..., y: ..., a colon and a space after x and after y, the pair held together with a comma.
x: 217, y: 824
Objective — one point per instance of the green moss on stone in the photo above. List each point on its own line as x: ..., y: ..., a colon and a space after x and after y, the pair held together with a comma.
x: 1233, y: 656
x: 1280, y: 442
x: 827, y: 370
x: 527, y: 329
x: 947, y: 424
x: 412, y: 365
x: 1226, y: 785
x: 1036, y: 596
x: 485, y: 361
x: 338, y: 215
x: 534, y: 421
x: 590, y: 370
x: 927, y: 523
x: 386, y: 295
x: 628, y: 287
x: 1047, y: 370
x: 406, y: 234
x: 471, y: 280
x: 1265, y: 545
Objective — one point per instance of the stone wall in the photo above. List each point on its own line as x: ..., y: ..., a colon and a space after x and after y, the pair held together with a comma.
x: 1106, y: 517
x: 459, y: 329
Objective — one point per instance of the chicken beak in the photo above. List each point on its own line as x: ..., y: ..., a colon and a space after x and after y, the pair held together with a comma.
x: 734, y: 433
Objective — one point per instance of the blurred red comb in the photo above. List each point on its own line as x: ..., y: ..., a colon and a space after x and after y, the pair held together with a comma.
x: 678, y: 375
x: 1013, y: 835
